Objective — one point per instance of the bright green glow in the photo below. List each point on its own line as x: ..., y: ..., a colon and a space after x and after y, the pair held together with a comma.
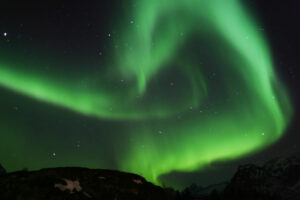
x: 245, y: 112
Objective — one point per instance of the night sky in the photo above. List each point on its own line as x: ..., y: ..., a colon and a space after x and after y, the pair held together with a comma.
x: 176, y: 91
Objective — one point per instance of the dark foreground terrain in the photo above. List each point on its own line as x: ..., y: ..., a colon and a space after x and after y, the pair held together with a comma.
x: 278, y: 179
x: 77, y: 183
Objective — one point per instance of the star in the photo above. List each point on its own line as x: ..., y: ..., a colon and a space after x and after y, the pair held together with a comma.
x: 5, y: 34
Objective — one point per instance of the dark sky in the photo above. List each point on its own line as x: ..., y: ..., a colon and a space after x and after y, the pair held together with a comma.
x: 55, y: 42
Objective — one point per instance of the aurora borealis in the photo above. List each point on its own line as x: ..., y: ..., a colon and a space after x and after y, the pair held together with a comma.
x: 182, y: 84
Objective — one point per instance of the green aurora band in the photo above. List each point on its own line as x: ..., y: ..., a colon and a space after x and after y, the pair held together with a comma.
x: 249, y: 107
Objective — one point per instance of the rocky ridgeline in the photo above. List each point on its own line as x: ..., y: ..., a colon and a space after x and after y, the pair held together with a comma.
x: 77, y: 184
x: 277, y: 179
